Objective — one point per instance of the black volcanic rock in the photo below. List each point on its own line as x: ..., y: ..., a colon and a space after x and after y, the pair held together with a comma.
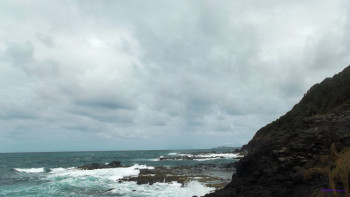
x: 280, y: 152
x: 114, y: 164
x: 93, y: 166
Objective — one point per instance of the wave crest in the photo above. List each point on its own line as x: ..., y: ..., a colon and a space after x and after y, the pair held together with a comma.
x: 30, y: 170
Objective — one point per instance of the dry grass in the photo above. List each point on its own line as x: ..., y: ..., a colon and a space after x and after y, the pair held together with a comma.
x: 337, y: 170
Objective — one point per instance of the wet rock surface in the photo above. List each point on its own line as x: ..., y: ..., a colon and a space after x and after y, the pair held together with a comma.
x: 208, y: 174
x: 94, y: 166
x: 211, y: 175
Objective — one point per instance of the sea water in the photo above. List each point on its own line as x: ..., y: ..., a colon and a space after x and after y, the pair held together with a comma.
x: 55, y: 173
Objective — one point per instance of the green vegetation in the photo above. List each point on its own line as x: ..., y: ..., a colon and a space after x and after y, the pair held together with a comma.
x: 319, y: 99
x: 336, y: 167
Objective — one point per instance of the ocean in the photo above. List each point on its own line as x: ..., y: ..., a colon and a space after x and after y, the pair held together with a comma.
x: 56, y: 173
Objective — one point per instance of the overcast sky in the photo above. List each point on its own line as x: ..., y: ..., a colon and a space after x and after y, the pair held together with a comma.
x: 121, y: 75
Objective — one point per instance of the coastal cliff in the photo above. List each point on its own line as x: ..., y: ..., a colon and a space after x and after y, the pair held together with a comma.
x: 282, y: 152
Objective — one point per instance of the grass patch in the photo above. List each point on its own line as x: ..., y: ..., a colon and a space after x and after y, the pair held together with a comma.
x: 336, y: 167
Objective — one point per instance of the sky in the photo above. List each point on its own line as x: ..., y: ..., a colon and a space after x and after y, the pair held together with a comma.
x: 159, y: 74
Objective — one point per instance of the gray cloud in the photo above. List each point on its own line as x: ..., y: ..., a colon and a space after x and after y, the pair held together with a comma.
x: 22, y: 57
x: 46, y: 39
x: 152, y: 75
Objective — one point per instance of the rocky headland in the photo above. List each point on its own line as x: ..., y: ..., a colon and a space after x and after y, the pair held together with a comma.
x: 281, y: 155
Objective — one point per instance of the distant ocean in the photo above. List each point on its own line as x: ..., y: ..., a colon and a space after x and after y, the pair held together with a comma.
x: 55, y: 173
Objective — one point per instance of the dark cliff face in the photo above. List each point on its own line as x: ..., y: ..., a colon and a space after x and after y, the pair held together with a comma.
x: 281, y: 152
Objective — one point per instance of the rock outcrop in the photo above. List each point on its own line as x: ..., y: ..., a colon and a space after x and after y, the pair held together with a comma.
x: 204, y: 173
x: 280, y: 153
x: 94, y: 166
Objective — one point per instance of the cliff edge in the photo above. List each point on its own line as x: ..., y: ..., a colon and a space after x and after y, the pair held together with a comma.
x: 281, y: 152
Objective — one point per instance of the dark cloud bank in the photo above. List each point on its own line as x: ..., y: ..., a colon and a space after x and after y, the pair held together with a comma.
x: 116, y: 75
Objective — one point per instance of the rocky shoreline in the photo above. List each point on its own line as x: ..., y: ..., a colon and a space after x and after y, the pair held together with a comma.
x: 185, y: 174
x: 211, y: 175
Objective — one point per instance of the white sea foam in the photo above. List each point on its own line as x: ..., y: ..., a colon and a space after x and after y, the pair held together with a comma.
x: 56, y: 170
x: 107, y: 173
x: 108, y: 178
x: 207, y: 159
x: 198, y: 189
x: 225, y: 155
x: 172, y: 189
x: 188, y: 155
x: 30, y: 170
x: 203, y: 156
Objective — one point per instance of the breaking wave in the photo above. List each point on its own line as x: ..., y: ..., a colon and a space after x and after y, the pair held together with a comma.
x: 30, y: 170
